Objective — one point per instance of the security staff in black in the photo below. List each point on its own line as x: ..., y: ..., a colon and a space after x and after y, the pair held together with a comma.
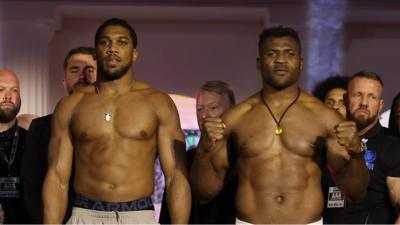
x: 364, y: 102
x: 382, y: 158
x: 11, y: 198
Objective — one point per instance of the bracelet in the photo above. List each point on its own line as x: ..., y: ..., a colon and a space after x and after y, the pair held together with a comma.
x: 357, y: 155
x: 363, y: 148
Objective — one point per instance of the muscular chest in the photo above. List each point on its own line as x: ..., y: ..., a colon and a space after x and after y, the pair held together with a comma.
x: 130, y: 117
x: 303, y: 134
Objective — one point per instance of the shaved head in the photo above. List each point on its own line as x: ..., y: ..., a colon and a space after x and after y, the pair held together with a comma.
x: 9, y: 75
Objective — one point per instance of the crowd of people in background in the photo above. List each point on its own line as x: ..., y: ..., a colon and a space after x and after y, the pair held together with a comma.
x: 280, y: 156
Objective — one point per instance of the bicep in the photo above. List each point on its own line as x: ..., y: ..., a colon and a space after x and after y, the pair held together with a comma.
x: 60, y: 151
x: 170, y: 141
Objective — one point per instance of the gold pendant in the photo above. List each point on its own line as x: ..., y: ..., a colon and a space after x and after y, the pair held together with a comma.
x: 107, y: 116
x: 278, y: 131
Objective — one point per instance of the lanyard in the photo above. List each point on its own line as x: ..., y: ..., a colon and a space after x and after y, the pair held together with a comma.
x: 13, y: 151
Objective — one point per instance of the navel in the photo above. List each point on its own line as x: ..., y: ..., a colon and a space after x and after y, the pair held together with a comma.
x: 279, y: 199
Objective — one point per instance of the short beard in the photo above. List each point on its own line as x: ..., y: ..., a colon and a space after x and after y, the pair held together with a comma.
x: 116, y: 74
x: 363, y: 123
x: 7, y: 116
x: 278, y: 85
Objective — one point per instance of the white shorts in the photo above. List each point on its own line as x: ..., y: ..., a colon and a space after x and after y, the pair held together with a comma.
x: 241, y: 222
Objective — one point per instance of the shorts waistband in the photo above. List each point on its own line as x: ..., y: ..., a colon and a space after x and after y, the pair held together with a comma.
x: 241, y: 222
x: 135, y: 205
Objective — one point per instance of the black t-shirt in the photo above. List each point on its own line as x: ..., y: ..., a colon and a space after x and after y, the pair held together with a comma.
x: 383, y: 160
x: 11, y: 196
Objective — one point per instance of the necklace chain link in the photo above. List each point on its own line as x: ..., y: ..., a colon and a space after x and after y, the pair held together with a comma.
x: 107, y: 114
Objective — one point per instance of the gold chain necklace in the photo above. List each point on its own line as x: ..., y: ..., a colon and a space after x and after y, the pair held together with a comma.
x: 278, y: 129
x: 107, y: 113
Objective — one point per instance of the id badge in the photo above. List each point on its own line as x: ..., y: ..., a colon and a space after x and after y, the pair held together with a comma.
x: 335, y: 198
x: 8, y: 187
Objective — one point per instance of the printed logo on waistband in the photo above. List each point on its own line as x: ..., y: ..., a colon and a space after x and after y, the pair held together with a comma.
x: 141, y: 204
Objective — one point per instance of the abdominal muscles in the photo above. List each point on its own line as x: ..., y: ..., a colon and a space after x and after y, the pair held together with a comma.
x: 281, y: 188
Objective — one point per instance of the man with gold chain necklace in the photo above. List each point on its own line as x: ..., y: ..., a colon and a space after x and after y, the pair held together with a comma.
x: 114, y: 130
x: 279, y: 134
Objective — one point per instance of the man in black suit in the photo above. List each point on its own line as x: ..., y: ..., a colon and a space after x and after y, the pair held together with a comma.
x: 80, y: 71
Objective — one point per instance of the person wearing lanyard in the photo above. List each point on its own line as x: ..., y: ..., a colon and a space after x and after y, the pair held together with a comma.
x: 11, y: 148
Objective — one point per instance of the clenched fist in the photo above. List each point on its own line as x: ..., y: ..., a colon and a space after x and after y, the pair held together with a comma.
x: 347, y: 135
x: 213, y: 129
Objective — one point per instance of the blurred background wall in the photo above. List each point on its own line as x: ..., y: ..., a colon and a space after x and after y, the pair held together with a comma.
x: 183, y: 43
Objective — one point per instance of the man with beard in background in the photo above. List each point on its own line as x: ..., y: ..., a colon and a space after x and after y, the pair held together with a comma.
x: 114, y: 131
x: 12, y: 139
x: 79, y: 71
x: 380, y: 206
